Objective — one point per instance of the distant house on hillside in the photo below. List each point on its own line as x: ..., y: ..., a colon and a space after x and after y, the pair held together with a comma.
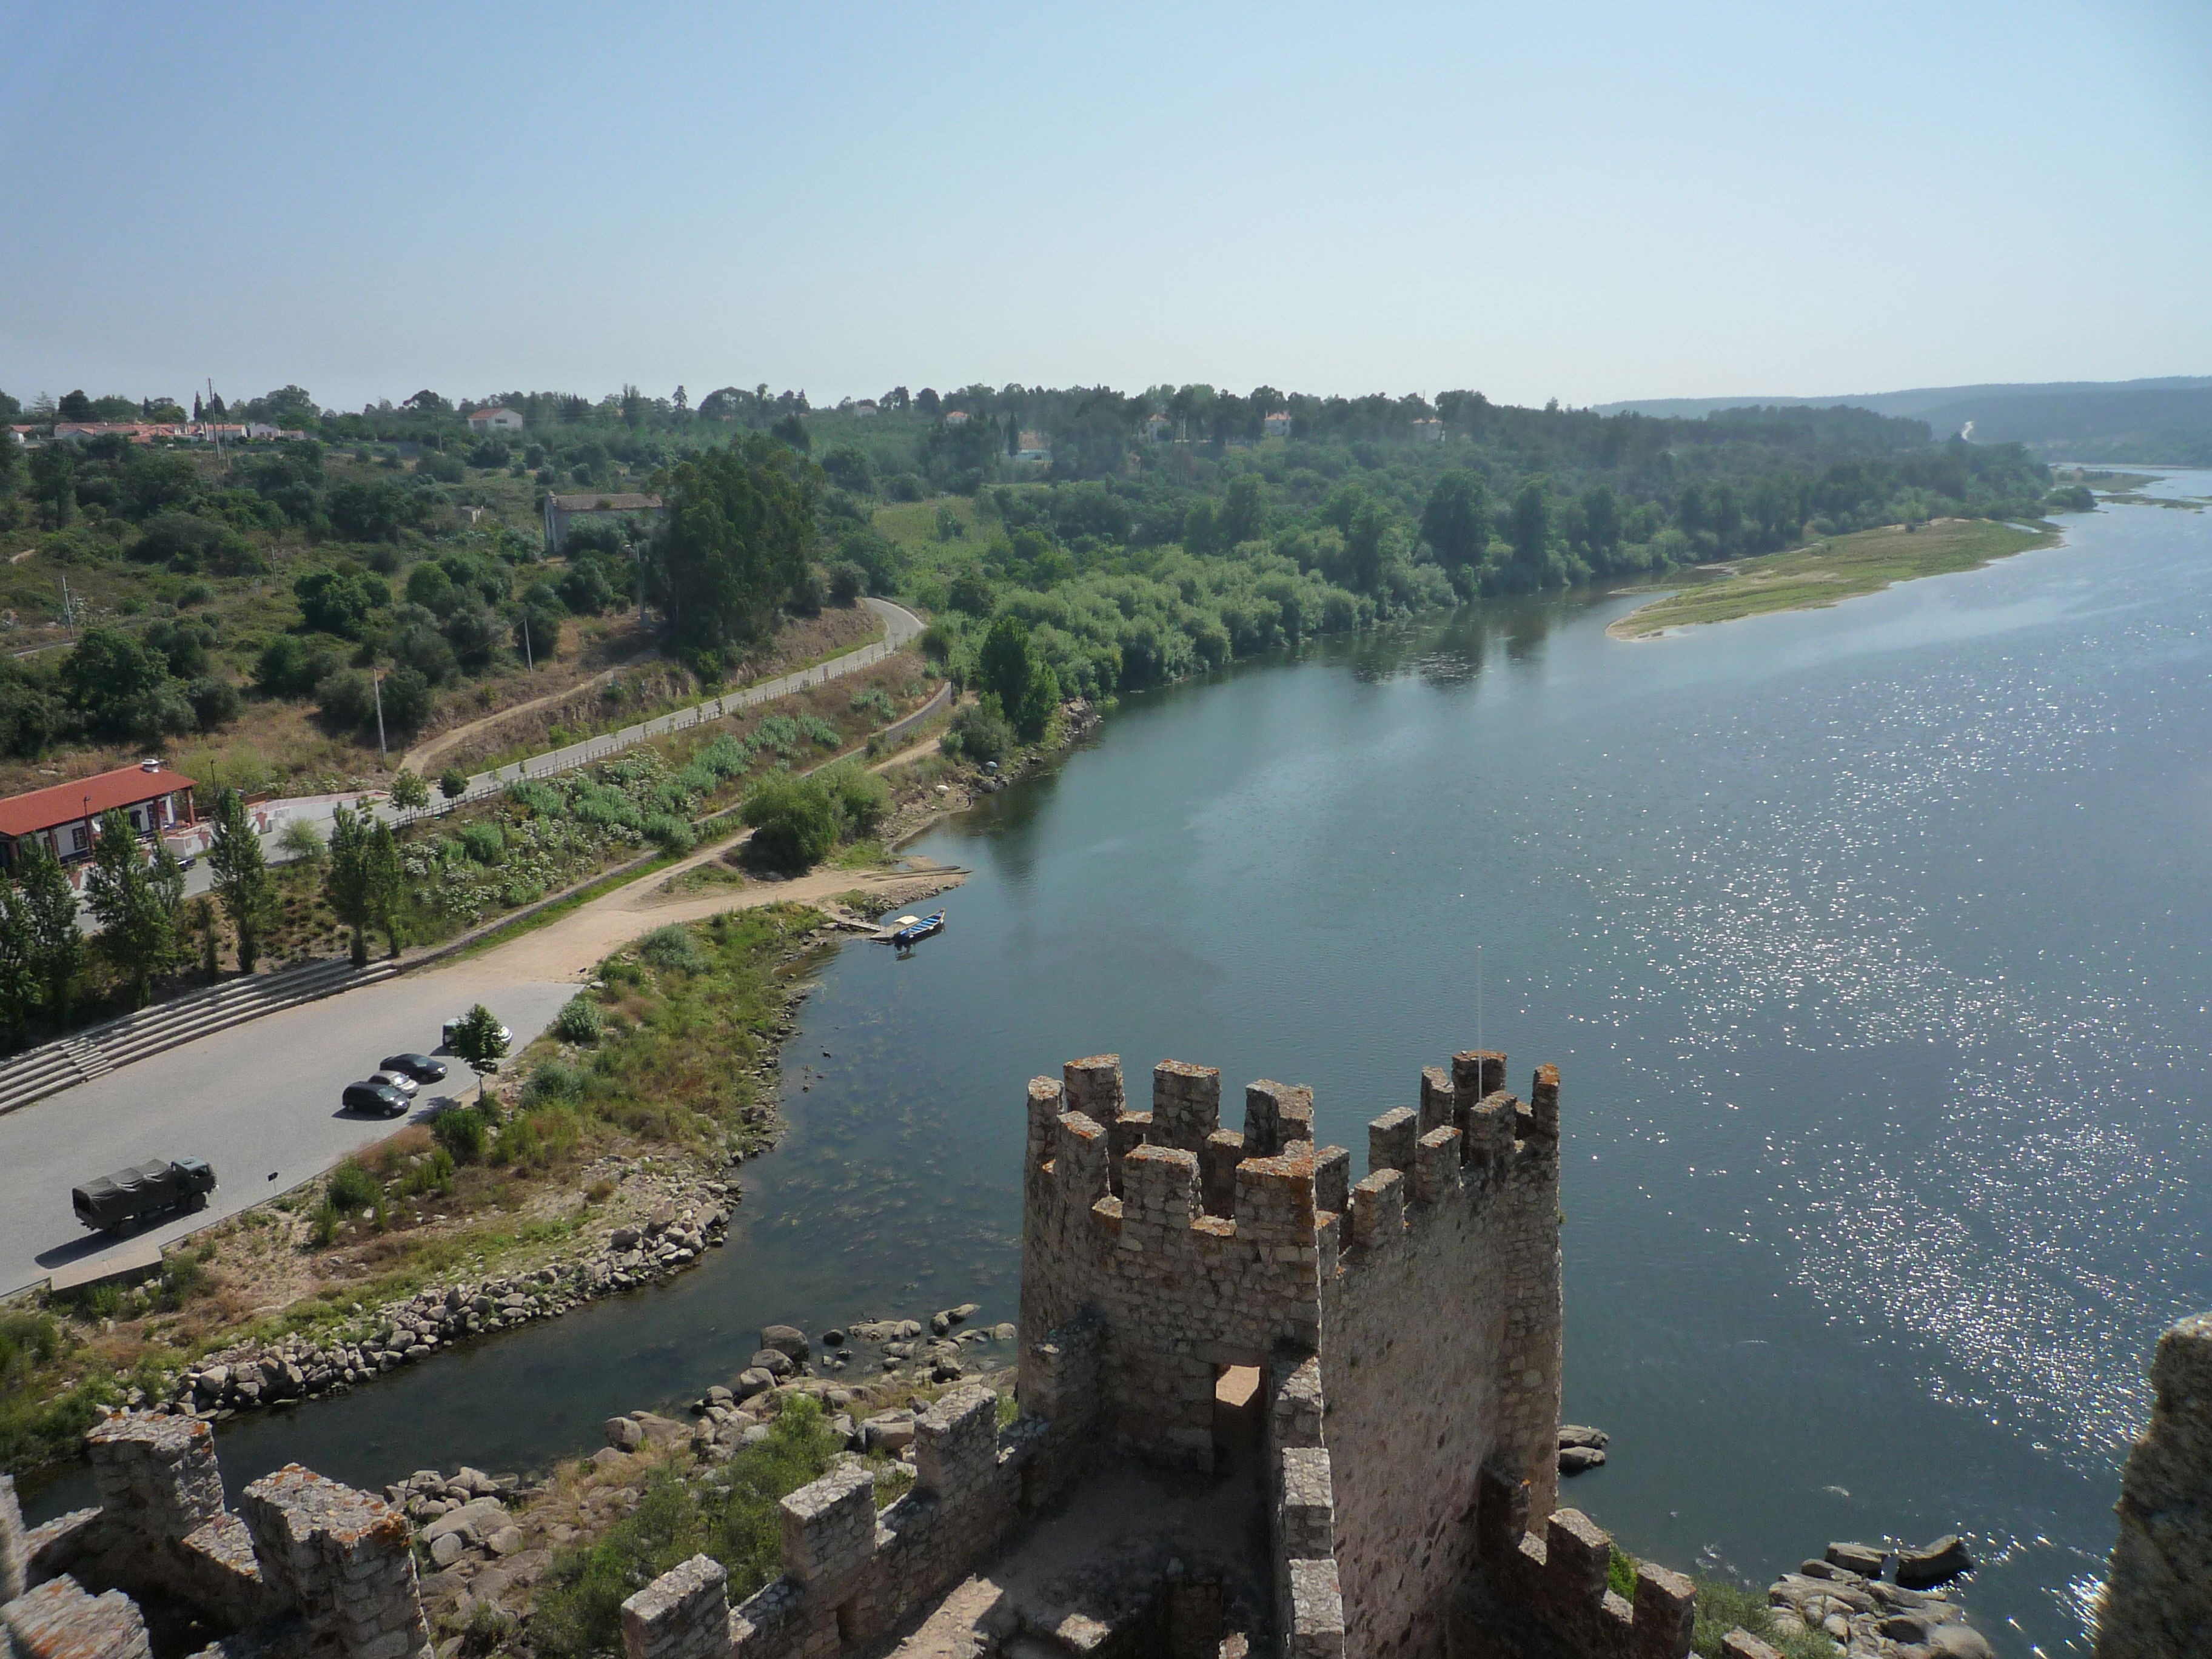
x: 1158, y: 428
x: 1034, y: 447
x: 564, y: 512
x: 1277, y: 425
x: 1430, y: 431
x: 865, y: 406
x: 485, y: 421
x: 955, y: 417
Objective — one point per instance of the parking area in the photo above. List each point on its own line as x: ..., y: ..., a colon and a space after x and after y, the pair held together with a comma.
x: 259, y: 1101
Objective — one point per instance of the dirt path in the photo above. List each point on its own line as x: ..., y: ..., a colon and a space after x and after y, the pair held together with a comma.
x: 427, y: 751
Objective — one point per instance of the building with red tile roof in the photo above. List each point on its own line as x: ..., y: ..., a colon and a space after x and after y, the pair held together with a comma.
x: 155, y: 798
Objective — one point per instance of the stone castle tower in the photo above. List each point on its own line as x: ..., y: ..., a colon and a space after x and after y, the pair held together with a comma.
x: 1404, y: 1330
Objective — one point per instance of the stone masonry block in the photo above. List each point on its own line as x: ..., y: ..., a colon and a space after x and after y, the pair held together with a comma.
x: 1094, y: 1087
x: 1274, y: 1202
x: 1379, y: 1208
x: 14, y: 1553
x: 1665, y: 1608
x: 1501, y: 1513
x: 1439, y: 1100
x: 1160, y: 1186
x: 1079, y: 1160
x: 1390, y: 1140
x: 1307, y: 1516
x: 59, y: 1620
x: 1492, y: 1127
x: 955, y: 1442
x: 1477, y: 1074
x: 1316, y: 1611
x: 1294, y: 1413
x: 1576, y: 1553
x: 830, y: 1526
x: 344, y: 1558
x: 1276, y: 1114
x: 1217, y: 1170
x: 1544, y: 1102
x: 1186, y: 1104
x: 1047, y: 1100
x: 157, y: 1474
x: 683, y: 1614
x: 1436, y: 1166
x: 1333, y: 1179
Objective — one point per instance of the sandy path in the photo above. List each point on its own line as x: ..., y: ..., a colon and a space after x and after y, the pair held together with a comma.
x: 427, y: 751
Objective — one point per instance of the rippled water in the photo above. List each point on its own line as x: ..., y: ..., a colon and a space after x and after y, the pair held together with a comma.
x: 1869, y: 942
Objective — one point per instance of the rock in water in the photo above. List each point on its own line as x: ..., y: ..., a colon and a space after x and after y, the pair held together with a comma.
x: 1574, y: 1434
x: 1939, y: 1563
x: 1573, y: 1460
x: 1864, y: 1560
x: 785, y: 1339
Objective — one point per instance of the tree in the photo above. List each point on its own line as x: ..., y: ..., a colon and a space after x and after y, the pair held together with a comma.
x: 794, y: 819
x: 201, y: 918
x: 135, y: 900
x: 387, y: 881
x: 1362, y: 544
x: 1602, y: 519
x: 114, y: 681
x: 19, y: 980
x: 349, y: 884
x: 478, y: 1040
x: 409, y: 792
x: 1003, y: 664
x: 1455, y: 521
x: 1529, y: 530
x: 75, y: 406
x: 1039, y: 699
x: 242, y: 876
x: 739, y: 529
x: 46, y: 909
x: 1244, y: 514
x: 452, y: 783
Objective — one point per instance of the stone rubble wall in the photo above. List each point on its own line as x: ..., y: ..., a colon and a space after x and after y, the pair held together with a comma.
x: 851, y: 1574
x: 2157, y: 1602
x: 244, y: 1377
x: 1301, y: 1512
x: 304, y: 1550
x: 1441, y: 1341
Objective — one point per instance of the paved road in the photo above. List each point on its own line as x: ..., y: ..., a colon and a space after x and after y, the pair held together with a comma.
x: 901, y: 628
x: 257, y: 1102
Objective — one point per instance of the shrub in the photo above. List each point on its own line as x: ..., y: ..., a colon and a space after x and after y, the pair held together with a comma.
x: 875, y: 702
x: 861, y: 798
x: 673, y: 946
x: 672, y: 833
x: 1722, y: 1607
x: 579, y: 1021
x: 553, y: 1081
x: 214, y: 701
x: 352, y: 1188
x: 346, y: 698
x: 794, y: 819
x: 462, y: 1131
x: 323, y: 1224
x: 847, y: 581
x: 406, y: 699
x: 452, y: 783
x: 299, y: 841
x: 409, y: 791
x: 483, y: 843
x: 978, y: 734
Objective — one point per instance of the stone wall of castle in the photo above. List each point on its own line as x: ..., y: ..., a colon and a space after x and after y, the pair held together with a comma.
x: 2157, y: 1602
x: 1421, y: 1307
x: 851, y: 1574
x: 1440, y: 1343
x: 306, y: 1558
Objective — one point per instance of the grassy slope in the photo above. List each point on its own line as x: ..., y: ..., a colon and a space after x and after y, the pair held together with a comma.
x: 1830, y: 572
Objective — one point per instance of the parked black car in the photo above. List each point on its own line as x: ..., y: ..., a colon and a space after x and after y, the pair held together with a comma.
x: 421, y: 1068
x: 377, y: 1099
x: 112, y: 1202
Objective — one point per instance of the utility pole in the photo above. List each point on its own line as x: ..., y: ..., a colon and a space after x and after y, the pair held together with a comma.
x: 529, y: 660
x: 376, y: 681
x: 69, y: 609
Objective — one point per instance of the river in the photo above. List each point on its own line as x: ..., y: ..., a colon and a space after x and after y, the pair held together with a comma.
x: 1870, y: 943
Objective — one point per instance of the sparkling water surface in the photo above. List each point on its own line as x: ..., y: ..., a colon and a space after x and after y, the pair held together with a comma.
x: 1870, y: 943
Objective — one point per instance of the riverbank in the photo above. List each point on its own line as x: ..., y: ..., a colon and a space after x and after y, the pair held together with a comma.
x: 605, y: 1164
x: 1831, y: 571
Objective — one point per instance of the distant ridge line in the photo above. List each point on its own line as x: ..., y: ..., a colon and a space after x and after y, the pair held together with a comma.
x: 1914, y: 401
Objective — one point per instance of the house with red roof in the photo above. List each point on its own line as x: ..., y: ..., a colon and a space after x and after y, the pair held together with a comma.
x: 155, y: 798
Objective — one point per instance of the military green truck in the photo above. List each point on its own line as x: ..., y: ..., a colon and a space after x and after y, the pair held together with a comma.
x: 112, y: 1202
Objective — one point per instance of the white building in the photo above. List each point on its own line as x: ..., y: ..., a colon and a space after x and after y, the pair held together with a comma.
x: 1277, y: 425
x: 495, y: 420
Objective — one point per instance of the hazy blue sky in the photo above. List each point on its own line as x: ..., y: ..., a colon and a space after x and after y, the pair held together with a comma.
x: 1586, y: 201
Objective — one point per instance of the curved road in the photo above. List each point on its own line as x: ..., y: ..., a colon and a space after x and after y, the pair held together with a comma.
x: 901, y: 628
